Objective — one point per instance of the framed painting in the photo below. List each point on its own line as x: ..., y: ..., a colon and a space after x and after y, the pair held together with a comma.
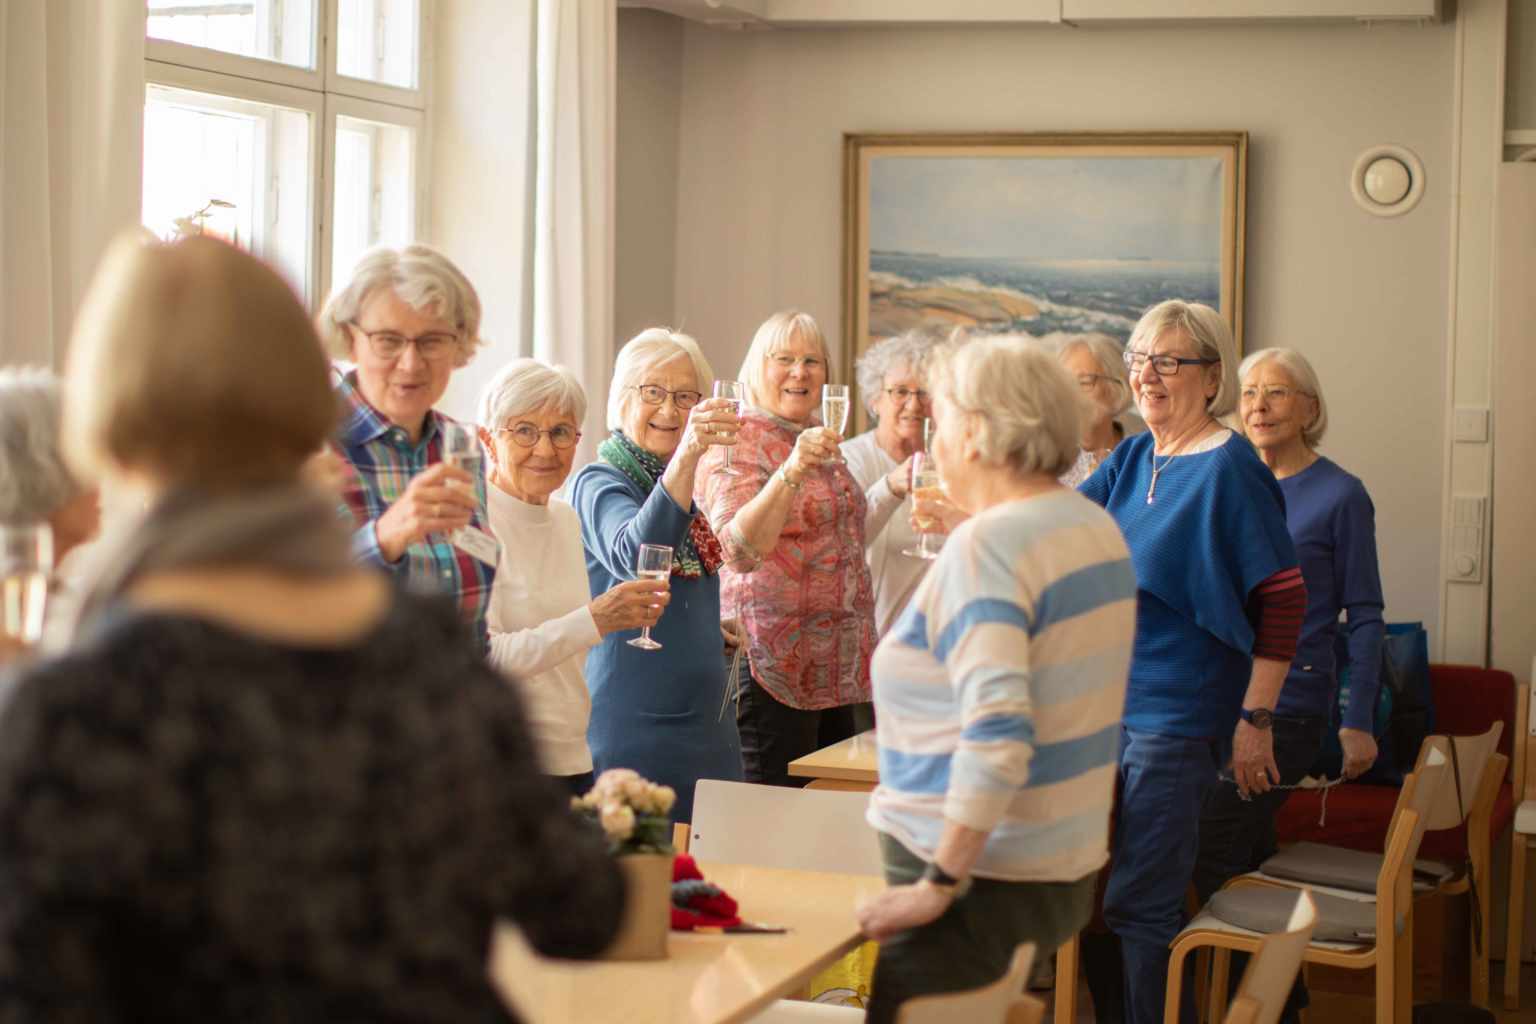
x: 1038, y: 234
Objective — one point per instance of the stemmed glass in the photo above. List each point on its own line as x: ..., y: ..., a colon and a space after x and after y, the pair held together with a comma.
x: 834, y: 409
x: 654, y: 563
x: 26, y: 559
x: 733, y: 392
x: 460, y: 448
x: 926, y: 486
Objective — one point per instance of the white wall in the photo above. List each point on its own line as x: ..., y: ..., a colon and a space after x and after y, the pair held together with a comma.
x: 759, y: 209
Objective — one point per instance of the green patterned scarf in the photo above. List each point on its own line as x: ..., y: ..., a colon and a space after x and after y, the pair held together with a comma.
x: 700, y: 552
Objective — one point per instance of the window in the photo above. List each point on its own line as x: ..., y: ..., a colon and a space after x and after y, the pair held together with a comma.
x: 301, y: 144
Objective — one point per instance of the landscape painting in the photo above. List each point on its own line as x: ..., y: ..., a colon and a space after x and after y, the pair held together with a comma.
x: 1042, y: 235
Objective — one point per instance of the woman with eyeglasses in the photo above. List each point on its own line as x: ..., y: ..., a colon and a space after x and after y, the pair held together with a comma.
x: 406, y: 320
x: 661, y: 712
x: 1097, y: 362
x: 791, y: 523
x: 1220, y: 599
x: 542, y: 619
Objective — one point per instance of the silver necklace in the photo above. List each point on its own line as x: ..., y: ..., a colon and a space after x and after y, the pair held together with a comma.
x: 1156, y: 469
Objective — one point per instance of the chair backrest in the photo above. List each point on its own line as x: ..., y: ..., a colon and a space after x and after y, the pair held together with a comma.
x: 1472, y: 756
x: 1394, y: 887
x: 1272, y: 970
x: 778, y: 827
x: 1001, y: 1001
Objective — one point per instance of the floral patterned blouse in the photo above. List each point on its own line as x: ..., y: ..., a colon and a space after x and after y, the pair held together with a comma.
x: 807, y: 605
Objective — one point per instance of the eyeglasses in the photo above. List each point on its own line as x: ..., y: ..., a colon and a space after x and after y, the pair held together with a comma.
x: 655, y: 394
x: 902, y: 394
x: 1089, y: 381
x: 526, y: 435
x: 788, y: 362
x: 1166, y: 366
x: 432, y: 346
x: 1275, y: 395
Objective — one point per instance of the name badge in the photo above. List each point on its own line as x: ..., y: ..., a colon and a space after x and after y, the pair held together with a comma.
x: 478, y: 543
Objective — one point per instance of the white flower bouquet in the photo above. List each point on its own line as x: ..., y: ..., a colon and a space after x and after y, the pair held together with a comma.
x: 631, y: 810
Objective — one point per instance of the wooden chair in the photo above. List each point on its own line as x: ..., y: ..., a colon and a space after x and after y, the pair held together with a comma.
x: 1001, y: 1002
x: 1272, y: 971
x: 1522, y: 838
x: 779, y: 827
x: 1389, y: 952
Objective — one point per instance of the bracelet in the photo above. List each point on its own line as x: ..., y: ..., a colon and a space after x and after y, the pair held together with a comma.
x: 784, y: 476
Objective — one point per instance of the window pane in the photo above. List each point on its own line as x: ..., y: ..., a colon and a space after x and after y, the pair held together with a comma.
x: 280, y: 30
x: 377, y: 40
x: 375, y: 200
x: 230, y: 168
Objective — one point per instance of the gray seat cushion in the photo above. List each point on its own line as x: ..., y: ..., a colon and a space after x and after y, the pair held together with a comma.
x: 1268, y: 909
x: 1338, y: 868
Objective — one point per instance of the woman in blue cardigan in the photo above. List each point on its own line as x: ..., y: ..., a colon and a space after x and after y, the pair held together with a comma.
x: 662, y: 713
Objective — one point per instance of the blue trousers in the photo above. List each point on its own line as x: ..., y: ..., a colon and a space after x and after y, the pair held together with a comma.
x: 1163, y: 785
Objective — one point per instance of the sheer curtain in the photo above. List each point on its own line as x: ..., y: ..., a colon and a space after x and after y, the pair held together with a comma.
x: 71, y: 122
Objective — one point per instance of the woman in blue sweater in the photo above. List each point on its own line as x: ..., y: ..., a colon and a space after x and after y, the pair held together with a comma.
x: 661, y: 712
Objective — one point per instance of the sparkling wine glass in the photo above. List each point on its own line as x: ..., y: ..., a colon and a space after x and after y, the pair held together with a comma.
x: 834, y: 409
x: 654, y: 563
x: 927, y: 433
x: 460, y: 448
x: 26, y: 559
x: 733, y: 392
x: 926, y: 486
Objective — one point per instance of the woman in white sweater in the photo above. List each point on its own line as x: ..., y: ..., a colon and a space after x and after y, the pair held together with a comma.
x: 542, y: 619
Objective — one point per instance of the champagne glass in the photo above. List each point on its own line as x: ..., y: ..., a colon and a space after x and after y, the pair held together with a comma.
x: 927, y: 433
x: 654, y: 563
x: 26, y: 559
x: 460, y: 448
x: 926, y: 486
x: 834, y: 409
x: 733, y: 392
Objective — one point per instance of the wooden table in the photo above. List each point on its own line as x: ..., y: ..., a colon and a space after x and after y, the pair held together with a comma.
x: 851, y: 764
x: 706, y: 979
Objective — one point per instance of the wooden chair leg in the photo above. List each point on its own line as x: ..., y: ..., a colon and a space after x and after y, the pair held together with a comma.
x: 1518, y: 849
x: 1066, y: 982
x: 1483, y: 873
x: 1203, y: 986
x: 1175, y: 983
x: 1221, y: 965
x: 1402, y: 993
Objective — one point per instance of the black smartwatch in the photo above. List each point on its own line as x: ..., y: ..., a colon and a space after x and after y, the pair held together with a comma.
x: 1259, y: 718
x: 944, y: 880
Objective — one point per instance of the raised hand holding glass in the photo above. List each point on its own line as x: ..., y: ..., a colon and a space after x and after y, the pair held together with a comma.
x: 733, y: 392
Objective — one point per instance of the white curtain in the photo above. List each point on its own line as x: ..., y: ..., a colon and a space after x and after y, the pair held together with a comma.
x: 71, y: 123
x: 572, y: 308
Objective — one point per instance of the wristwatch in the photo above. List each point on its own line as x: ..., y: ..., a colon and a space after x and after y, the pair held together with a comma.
x: 936, y: 875
x: 1259, y: 718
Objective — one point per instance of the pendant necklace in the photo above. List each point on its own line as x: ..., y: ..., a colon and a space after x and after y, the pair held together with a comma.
x: 1156, y: 469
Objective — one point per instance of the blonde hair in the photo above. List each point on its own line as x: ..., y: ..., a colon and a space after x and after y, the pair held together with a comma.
x: 423, y: 278
x: 652, y: 347
x: 1207, y: 330
x: 772, y: 335
x: 196, y: 362
x: 1307, y: 383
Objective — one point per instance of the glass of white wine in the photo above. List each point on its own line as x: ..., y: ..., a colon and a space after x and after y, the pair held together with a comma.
x: 926, y: 486
x: 460, y: 448
x: 26, y: 560
x: 654, y: 563
x: 834, y: 409
x: 733, y: 392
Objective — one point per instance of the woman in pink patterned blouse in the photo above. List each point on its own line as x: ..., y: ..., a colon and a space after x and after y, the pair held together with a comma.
x: 792, y: 528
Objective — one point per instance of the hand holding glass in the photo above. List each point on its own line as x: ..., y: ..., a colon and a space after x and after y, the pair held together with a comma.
x: 733, y: 392
x: 26, y: 559
x: 834, y: 411
x: 926, y: 486
x: 654, y: 563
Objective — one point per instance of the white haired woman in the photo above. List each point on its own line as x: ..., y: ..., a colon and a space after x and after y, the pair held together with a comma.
x: 542, y: 619
x: 660, y: 712
x: 263, y: 784
x: 1098, y: 363
x: 893, y: 383
x: 792, y: 527
x: 1219, y: 604
x: 998, y: 691
x: 407, y: 319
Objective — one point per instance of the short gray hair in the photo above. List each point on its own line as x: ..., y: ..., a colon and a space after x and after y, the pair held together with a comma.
x: 1295, y: 364
x: 423, y: 278
x: 773, y: 334
x: 1027, y: 408
x: 912, y: 350
x: 34, y: 481
x: 1106, y: 351
x: 1207, y: 330
x: 527, y: 385
x: 652, y: 347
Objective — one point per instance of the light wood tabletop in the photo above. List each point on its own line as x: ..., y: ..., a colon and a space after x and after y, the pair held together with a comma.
x: 706, y: 979
x: 855, y: 759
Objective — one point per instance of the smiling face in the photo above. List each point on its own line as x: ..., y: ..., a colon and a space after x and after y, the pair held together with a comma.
x: 792, y: 380
x: 1273, y: 411
x: 533, y: 474
x: 659, y: 428
x: 901, y: 421
x: 406, y: 387
x: 1175, y: 404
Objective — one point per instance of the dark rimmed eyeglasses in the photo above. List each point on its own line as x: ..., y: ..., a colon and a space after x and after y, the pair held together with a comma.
x: 1166, y: 366
x: 655, y: 394
x: 387, y: 344
x: 526, y: 435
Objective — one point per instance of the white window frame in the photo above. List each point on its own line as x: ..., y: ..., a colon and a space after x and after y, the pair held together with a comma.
x: 325, y: 95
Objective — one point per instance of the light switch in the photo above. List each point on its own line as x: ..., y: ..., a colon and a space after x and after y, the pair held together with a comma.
x: 1471, y: 425
x: 1467, y: 527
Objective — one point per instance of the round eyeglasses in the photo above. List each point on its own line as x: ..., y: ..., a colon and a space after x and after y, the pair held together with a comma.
x: 526, y: 435
x: 655, y: 394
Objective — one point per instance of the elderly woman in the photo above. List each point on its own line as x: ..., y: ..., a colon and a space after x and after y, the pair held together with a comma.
x: 792, y: 528
x: 662, y: 713
x: 893, y: 383
x: 542, y: 619
x: 407, y: 319
x: 1219, y: 602
x: 264, y: 784
x: 1098, y: 363
x: 998, y: 691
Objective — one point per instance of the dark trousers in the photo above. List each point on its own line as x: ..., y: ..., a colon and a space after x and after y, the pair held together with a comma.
x: 1238, y: 835
x: 774, y: 734
x: 1163, y: 785
x: 576, y: 784
x: 971, y: 944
